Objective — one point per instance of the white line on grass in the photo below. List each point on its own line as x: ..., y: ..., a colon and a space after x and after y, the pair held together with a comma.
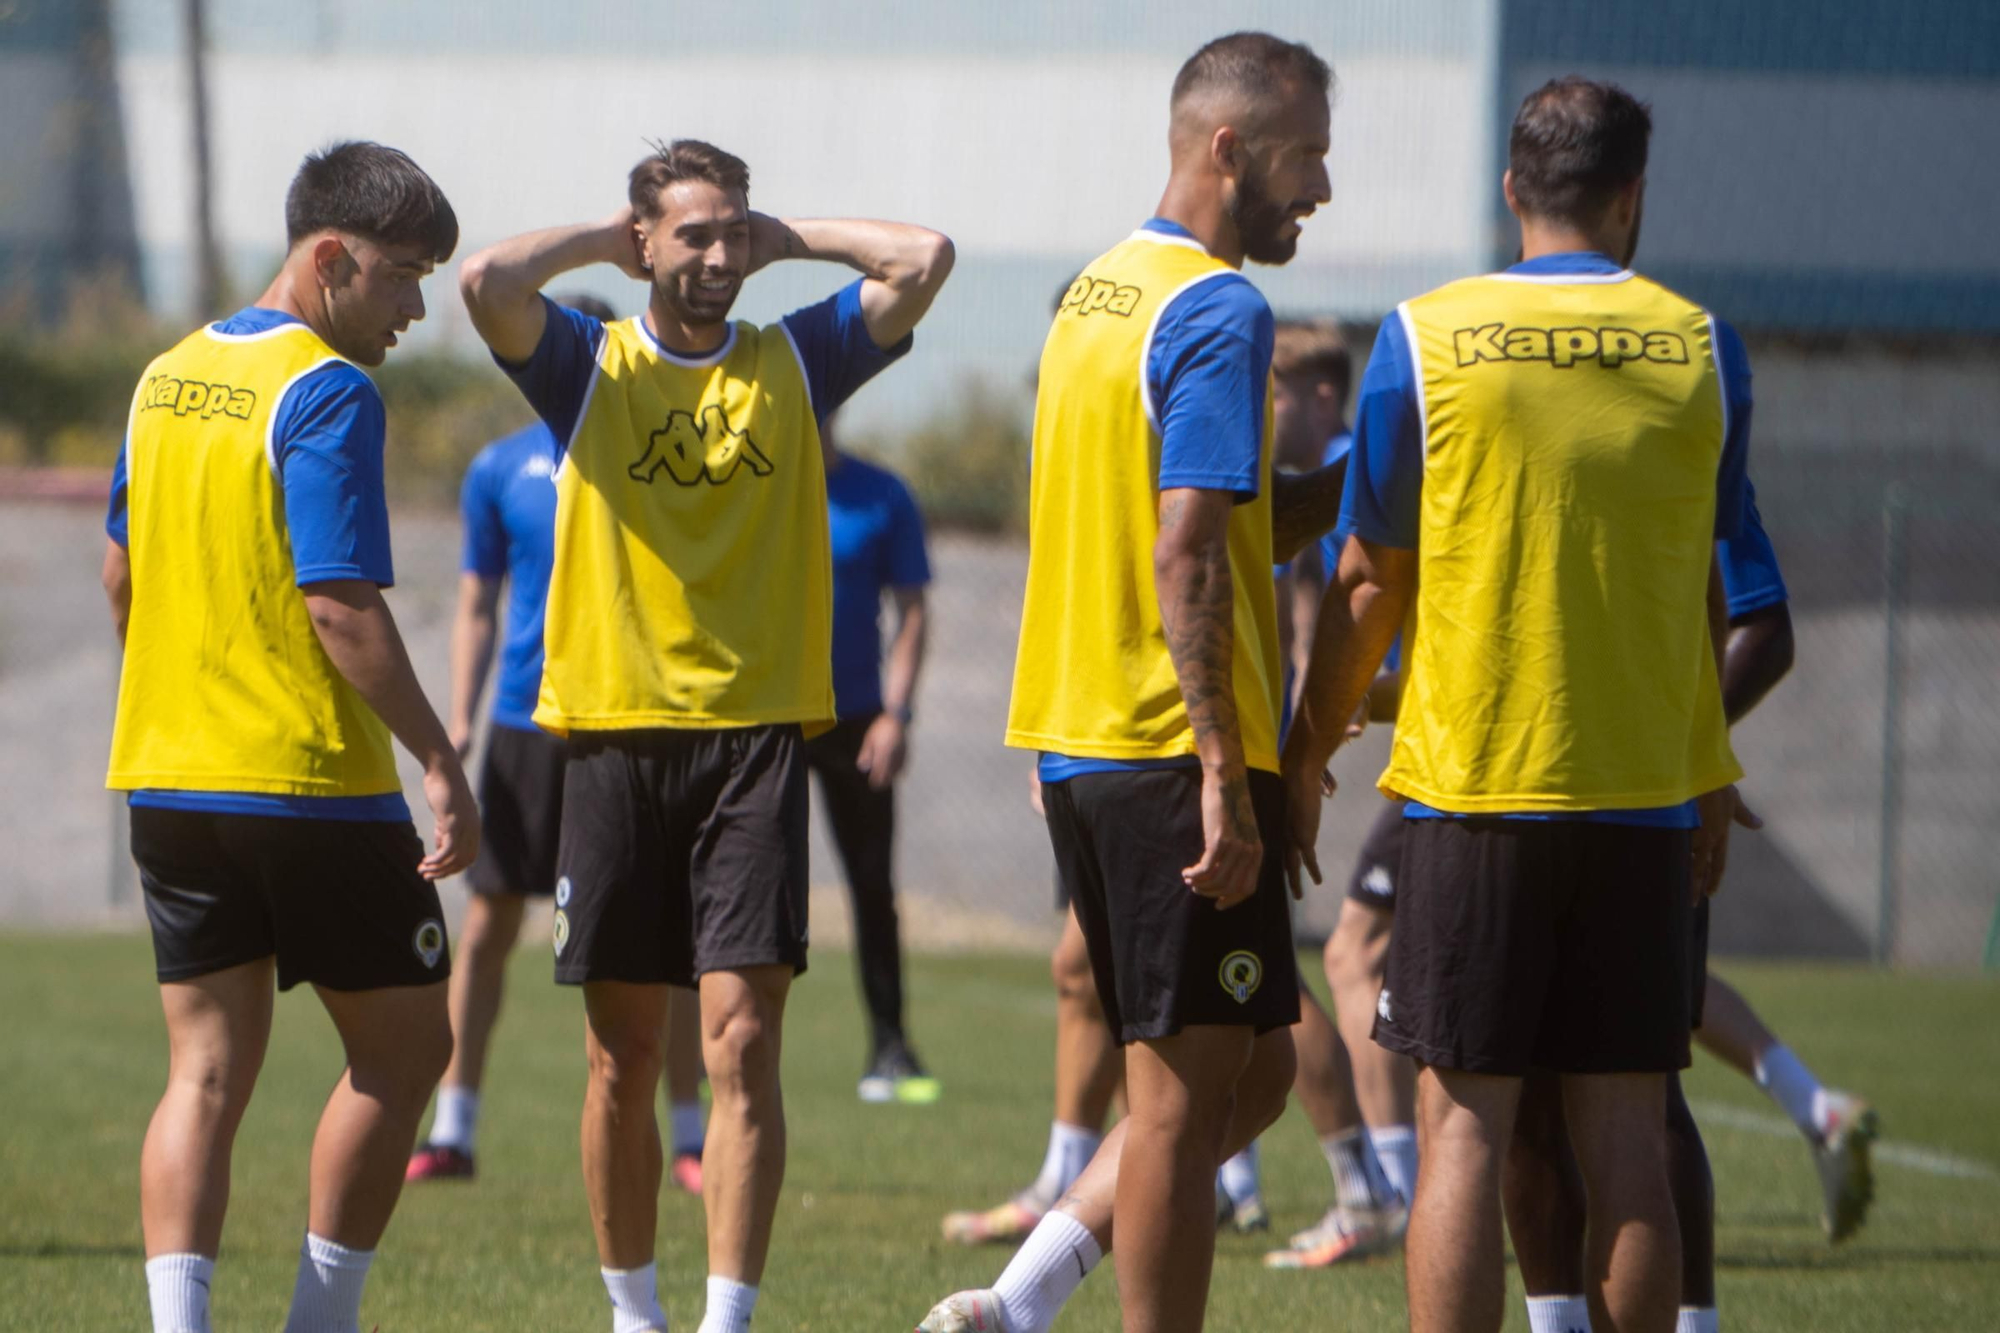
x: 1930, y: 1161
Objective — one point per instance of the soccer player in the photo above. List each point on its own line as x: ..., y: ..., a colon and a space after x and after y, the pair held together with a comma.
x: 1372, y: 1158
x: 1544, y: 460
x: 1544, y: 1194
x: 508, y: 505
x: 878, y: 550
x: 263, y: 678
x: 688, y: 653
x: 1148, y: 678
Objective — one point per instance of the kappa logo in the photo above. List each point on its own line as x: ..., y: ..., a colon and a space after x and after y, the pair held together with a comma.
x: 429, y: 941
x: 1242, y: 972
x: 1383, y: 1009
x: 1088, y: 296
x: 1564, y: 348
x: 1378, y: 882
x: 689, y: 450
x: 539, y: 466
x: 194, y: 398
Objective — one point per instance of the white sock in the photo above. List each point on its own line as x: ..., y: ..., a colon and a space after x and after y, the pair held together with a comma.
x: 687, y: 1127
x: 178, y: 1286
x: 1792, y: 1086
x: 1696, y: 1319
x: 456, y: 1119
x: 1396, y: 1149
x: 1358, y: 1181
x: 635, y: 1299
x: 729, y: 1305
x: 1239, y: 1176
x: 1058, y: 1254
x: 326, y: 1298
x: 1070, y: 1149
x: 1558, y: 1314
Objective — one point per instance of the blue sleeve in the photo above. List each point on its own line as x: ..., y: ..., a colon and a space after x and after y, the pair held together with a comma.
x: 328, y: 440
x: 1208, y: 371
x: 1750, y: 574
x: 485, y: 550
x: 555, y: 379
x: 1385, y: 469
x: 909, y: 562
x: 115, y: 519
x: 1732, y: 482
x: 836, y: 350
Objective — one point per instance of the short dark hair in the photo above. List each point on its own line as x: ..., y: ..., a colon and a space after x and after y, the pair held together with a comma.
x: 1252, y: 63
x: 683, y: 160
x: 587, y: 305
x: 370, y: 190
x: 1576, y: 143
x: 1315, y: 349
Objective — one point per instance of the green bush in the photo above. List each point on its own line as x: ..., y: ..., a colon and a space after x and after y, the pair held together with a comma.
x: 65, y: 394
x: 969, y: 464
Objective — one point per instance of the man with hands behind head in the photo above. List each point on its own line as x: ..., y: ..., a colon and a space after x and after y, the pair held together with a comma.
x: 688, y: 657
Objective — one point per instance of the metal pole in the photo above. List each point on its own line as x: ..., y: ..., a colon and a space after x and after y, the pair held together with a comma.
x: 1895, y: 524
x: 208, y: 255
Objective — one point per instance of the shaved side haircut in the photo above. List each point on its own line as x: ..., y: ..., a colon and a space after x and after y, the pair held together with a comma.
x: 1254, y: 66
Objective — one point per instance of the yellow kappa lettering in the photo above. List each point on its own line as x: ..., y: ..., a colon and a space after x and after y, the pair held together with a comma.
x: 1620, y: 346
x: 1563, y: 348
x: 1670, y: 348
x: 1480, y: 344
x: 1571, y: 345
x: 1089, y: 296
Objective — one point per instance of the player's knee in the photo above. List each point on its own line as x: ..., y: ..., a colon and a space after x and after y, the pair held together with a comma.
x: 491, y: 926
x: 218, y: 1080
x: 1266, y: 1081
x: 1069, y: 968
x: 741, y: 1050
x: 626, y: 1060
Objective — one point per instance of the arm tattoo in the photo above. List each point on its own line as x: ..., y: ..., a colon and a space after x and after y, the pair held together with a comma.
x: 1304, y: 507
x: 1198, y: 614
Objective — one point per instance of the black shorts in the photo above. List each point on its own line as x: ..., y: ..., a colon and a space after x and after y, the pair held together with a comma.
x: 338, y: 902
x: 520, y: 813
x: 1163, y: 957
x: 1380, y: 860
x: 1523, y: 944
x: 683, y: 852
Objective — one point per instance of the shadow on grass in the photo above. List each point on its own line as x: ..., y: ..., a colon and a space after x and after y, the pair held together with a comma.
x: 1869, y: 1256
x: 70, y: 1249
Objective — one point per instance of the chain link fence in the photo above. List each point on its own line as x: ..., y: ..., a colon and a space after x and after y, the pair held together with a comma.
x: 1874, y: 762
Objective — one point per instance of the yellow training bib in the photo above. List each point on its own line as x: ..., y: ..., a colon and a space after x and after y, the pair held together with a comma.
x: 1092, y: 676
x: 225, y: 685
x: 692, y: 585
x: 1561, y: 658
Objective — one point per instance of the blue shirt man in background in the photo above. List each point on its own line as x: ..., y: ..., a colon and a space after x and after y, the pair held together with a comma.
x: 878, y: 548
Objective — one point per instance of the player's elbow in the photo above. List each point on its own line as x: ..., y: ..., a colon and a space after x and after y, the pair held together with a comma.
x: 475, y: 278
x: 927, y: 261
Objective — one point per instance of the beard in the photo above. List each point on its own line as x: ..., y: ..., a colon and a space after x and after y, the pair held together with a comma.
x: 1632, y: 241
x: 684, y: 299
x: 1260, y: 220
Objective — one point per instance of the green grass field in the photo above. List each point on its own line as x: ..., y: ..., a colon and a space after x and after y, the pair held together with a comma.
x: 857, y: 1244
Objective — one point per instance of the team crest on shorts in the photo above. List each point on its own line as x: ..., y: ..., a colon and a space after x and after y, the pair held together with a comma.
x: 1241, y: 974
x: 562, y: 892
x: 429, y: 941
x: 562, y: 923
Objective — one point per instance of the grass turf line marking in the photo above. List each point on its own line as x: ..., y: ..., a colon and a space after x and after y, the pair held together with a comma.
x: 1930, y: 1161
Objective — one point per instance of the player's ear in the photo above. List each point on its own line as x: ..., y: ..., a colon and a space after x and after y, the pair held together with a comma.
x: 1225, y: 148
x: 1507, y: 191
x: 333, y: 264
